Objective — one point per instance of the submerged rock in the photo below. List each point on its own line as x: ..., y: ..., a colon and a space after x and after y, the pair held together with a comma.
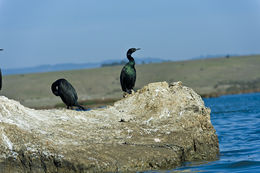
x: 158, y: 127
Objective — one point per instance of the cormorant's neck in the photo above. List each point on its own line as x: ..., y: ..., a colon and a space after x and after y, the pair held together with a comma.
x: 129, y: 57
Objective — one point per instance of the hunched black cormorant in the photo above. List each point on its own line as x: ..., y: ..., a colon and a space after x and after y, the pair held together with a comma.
x: 128, y: 73
x: 68, y: 94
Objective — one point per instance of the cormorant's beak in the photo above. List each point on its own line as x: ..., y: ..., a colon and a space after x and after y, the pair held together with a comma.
x: 138, y: 48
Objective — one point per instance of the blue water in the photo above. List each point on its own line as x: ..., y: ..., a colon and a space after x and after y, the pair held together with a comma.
x: 236, y: 119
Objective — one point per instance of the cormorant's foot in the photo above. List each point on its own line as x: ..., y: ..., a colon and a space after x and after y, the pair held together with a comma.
x: 81, y: 108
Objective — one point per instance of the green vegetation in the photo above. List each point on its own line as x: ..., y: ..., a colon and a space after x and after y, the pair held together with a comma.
x: 208, y: 77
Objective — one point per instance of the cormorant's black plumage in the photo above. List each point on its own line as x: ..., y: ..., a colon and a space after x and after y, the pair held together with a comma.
x: 68, y: 94
x: 1, y: 74
x: 0, y: 79
x: 128, y: 73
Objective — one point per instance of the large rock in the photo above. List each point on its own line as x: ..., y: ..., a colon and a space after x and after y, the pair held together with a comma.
x: 158, y: 127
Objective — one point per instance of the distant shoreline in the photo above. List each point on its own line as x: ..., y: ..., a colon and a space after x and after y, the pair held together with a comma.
x: 212, y: 95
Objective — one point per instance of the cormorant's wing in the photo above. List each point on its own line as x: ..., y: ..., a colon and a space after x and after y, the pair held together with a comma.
x: 71, y: 92
x: 131, y: 80
x: 123, y: 79
x: 67, y: 93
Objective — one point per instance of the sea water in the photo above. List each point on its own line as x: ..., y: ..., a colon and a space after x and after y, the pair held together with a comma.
x: 236, y: 119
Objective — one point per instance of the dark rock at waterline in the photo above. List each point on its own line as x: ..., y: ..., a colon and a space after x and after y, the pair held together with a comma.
x: 158, y: 127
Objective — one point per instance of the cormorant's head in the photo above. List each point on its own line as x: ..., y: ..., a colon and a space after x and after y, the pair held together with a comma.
x: 129, y: 53
x: 132, y: 50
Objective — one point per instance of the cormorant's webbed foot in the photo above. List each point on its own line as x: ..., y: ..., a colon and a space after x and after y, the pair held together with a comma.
x: 128, y: 92
x: 81, y: 107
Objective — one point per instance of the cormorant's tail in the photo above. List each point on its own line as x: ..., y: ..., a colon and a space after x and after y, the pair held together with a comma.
x: 54, y: 88
x: 80, y: 107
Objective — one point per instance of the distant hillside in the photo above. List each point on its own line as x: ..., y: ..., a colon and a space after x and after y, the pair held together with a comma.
x: 49, y: 68
x: 72, y: 66
x: 215, y: 56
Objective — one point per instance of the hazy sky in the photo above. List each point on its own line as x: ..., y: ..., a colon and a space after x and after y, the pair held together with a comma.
x: 34, y: 32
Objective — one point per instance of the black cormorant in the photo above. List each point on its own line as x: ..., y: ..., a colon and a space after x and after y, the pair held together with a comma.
x: 1, y: 74
x: 68, y: 94
x: 0, y: 79
x: 128, y: 73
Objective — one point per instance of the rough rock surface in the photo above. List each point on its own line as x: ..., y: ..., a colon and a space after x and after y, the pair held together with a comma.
x: 158, y: 127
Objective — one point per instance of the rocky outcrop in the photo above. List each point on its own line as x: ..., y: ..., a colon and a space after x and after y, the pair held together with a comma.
x: 158, y: 127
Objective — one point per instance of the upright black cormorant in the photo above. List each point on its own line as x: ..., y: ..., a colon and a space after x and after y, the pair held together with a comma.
x: 1, y: 74
x: 68, y: 94
x: 128, y: 73
x: 0, y: 79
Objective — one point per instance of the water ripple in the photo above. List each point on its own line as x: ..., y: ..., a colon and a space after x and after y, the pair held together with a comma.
x: 236, y: 119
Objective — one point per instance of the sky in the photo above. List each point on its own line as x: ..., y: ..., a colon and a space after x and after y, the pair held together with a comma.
x: 36, y: 32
